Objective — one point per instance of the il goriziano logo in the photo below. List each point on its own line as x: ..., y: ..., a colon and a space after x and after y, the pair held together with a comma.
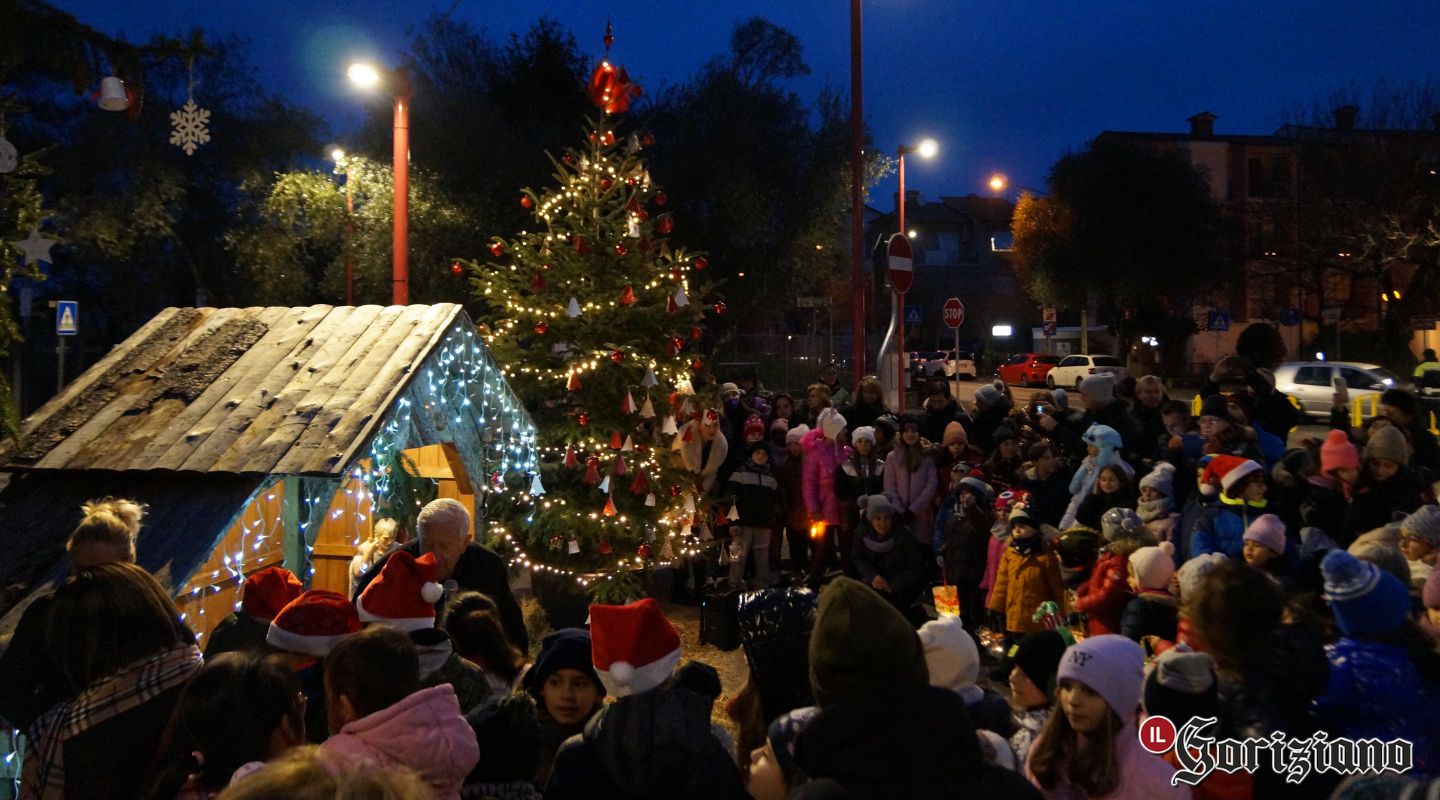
x: 1199, y: 753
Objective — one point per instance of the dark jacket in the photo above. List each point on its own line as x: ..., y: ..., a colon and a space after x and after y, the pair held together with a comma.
x: 652, y: 745
x: 982, y: 431
x: 916, y: 743
x: 1377, y: 504
x: 1150, y: 614
x: 478, y: 570
x: 962, y: 539
x: 1375, y: 691
x: 1048, y: 498
x: 757, y: 495
x: 236, y: 633
x: 934, y: 419
x: 899, y: 559
x: 1117, y: 416
x: 858, y: 477
x: 859, y: 415
x: 1095, y: 504
x: 29, y: 682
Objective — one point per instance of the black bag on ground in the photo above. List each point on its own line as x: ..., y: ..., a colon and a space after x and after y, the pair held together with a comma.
x: 720, y: 619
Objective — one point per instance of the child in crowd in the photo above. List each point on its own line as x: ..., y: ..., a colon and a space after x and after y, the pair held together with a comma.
x: 261, y: 598
x: 910, y: 481
x: 1005, y: 502
x: 1182, y: 686
x: 1430, y: 617
x: 1029, y: 575
x: 1221, y: 527
x: 1047, y: 484
x: 509, y: 739
x: 955, y: 449
x: 758, y: 502
x: 962, y: 536
x: 473, y: 622
x: 1112, y: 490
x: 794, y: 532
x: 566, y: 690
x: 1264, y: 549
x: 1002, y: 469
x: 824, y: 450
x: 1030, y: 665
x: 1387, y: 486
x: 1089, y: 746
x: 1420, y: 542
x: 1152, y: 611
x: 1185, y: 586
x: 380, y: 717
x: 1078, y: 549
x: 1157, y: 502
x: 1103, y: 598
x: 887, y: 558
x: 953, y: 659
x: 1328, y: 502
x: 860, y: 475
x: 304, y: 632
x: 1102, y: 448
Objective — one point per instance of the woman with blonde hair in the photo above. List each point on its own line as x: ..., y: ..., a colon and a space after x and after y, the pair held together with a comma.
x: 867, y: 405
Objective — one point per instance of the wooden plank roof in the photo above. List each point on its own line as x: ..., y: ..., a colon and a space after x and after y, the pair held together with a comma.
x: 236, y: 390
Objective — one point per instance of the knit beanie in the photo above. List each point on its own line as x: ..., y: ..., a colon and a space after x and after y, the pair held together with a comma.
x: 1038, y: 655
x: 1388, y: 442
x: 754, y: 426
x: 831, y: 423
x: 634, y: 647
x: 313, y: 623
x: 954, y: 434
x: 1020, y: 517
x: 866, y: 434
x: 1098, y: 387
x: 509, y: 735
x: 1387, y: 557
x: 1193, y: 570
x: 1181, y: 686
x: 1214, y: 406
x: 268, y: 591
x: 1423, y: 523
x: 1062, y: 398
x: 1338, y: 452
x: 981, y: 489
x: 567, y: 648
x: 845, y: 666
x: 1161, y: 479
x: 1367, y: 601
x: 1153, y: 566
x: 988, y: 396
x: 952, y: 657
x: 727, y: 389
x: 1120, y: 523
x: 1430, y: 593
x: 795, y: 434
x: 877, y: 505
x: 1110, y: 664
x: 782, y: 735
x: 1269, y: 531
x: 1078, y: 548
x: 404, y: 594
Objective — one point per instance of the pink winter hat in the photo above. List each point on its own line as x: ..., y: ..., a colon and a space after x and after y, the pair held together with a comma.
x: 1338, y: 452
x: 1268, y: 530
x: 1153, y: 566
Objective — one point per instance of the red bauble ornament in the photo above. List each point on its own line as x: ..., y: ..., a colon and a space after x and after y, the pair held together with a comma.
x: 457, y: 268
x: 643, y: 551
x: 661, y: 199
x: 617, y: 355
x: 720, y: 308
x: 679, y: 343
x: 583, y: 419
x: 537, y: 281
x: 697, y: 364
x: 627, y: 296
x: 675, y: 275
x: 696, y: 333
x: 605, y: 184
x: 607, y: 138
x: 526, y: 202
x: 571, y: 462
x: 541, y: 327
x: 611, y: 89
x: 605, y: 549
x: 701, y: 262
x: 674, y: 490
x: 642, y: 215
x: 621, y: 250
x: 647, y: 140
x: 582, y: 245
x: 497, y: 249
x: 665, y: 225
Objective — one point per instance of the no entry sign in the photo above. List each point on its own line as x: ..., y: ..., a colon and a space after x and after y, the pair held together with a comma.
x: 901, y: 263
x: 954, y: 312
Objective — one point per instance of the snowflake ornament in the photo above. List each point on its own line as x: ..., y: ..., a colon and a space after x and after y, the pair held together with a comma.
x: 189, y: 127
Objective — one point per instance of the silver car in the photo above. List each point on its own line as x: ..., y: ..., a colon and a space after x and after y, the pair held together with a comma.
x: 1313, y: 383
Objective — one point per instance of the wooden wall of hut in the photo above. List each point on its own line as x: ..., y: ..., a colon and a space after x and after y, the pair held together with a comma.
x: 254, y: 541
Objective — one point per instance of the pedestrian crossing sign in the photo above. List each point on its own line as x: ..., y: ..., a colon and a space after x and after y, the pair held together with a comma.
x: 67, y: 317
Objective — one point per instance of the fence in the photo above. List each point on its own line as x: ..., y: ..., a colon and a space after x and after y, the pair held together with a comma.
x: 1358, y: 410
x: 783, y: 362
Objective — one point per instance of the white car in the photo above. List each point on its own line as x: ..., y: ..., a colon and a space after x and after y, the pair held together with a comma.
x: 927, y: 364
x: 1073, y: 369
x: 1313, y: 383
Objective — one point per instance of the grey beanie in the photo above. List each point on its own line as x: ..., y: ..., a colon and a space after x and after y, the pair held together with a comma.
x: 988, y: 395
x: 1098, y: 387
x: 1387, y: 558
x: 1062, y: 397
x: 1388, y: 442
x: 1423, y: 523
x: 876, y: 505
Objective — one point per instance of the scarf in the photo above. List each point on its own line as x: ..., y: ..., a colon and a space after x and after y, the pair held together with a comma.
x: 1151, y: 510
x: 879, y: 545
x: 127, y: 689
x: 1025, y: 545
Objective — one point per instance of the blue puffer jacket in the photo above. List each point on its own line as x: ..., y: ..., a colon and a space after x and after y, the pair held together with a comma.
x: 1221, y: 528
x: 1374, y: 690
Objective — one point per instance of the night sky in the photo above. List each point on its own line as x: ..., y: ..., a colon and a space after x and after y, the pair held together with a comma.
x: 1005, y: 85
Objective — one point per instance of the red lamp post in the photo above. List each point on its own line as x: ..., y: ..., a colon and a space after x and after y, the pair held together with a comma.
x: 368, y: 76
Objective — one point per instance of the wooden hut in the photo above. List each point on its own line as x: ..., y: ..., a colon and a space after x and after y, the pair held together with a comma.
x: 260, y: 436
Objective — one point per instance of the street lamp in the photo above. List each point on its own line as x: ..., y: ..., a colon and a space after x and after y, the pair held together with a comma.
x: 342, y: 165
x: 926, y: 149
x: 368, y: 76
x: 857, y: 214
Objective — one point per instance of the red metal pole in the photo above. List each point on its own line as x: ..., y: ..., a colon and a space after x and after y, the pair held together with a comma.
x: 349, y: 242
x: 400, y: 278
x: 860, y: 290
x: 900, y: 300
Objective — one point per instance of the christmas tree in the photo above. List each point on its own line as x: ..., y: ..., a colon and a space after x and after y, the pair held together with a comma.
x: 594, y: 315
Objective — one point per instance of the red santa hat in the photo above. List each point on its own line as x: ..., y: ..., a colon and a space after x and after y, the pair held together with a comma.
x: 268, y: 591
x: 404, y: 594
x: 634, y: 647
x: 1229, y: 470
x: 313, y: 623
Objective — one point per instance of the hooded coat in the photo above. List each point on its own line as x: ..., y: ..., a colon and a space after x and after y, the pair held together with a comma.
x: 425, y: 732
x: 1375, y: 691
x: 1103, y: 598
x: 1221, y: 527
x: 822, y: 456
x: 1023, y: 582
x: 912, y: 491
x: 657, y: 744
x: 704, y: 466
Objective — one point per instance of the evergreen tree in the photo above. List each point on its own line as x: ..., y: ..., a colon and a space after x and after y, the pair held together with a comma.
x: 594, y: 315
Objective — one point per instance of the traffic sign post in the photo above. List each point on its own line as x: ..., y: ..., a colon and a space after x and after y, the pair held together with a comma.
x: 901, y: 267
x: 954, y: 315
x: 67, y: 323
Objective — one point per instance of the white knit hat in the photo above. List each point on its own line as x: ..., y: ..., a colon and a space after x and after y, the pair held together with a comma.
x: 1153, y: 566
x: 831, y: 423
x: 952, y: 657
x: 795, y: 434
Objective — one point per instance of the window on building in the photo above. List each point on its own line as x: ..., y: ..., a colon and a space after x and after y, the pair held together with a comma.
x: 1269, y: 176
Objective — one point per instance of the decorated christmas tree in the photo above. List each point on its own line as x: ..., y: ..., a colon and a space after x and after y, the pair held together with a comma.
x: 594, y: 314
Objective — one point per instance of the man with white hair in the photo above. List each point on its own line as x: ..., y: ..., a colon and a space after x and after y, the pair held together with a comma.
x: 444, y: 528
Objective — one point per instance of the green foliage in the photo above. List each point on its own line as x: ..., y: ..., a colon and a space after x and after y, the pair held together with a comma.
x: 597, y: 236
x: 21, y: 210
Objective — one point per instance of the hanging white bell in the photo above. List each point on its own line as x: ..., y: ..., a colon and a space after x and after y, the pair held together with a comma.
x: 536, y: 487
x: 650, y: 379
x: 650, y: 500
x: 668, y: 426
x: 648, y: 410
x: 680, y: 298
x: 734, y: 512
x: 112, y: 94
x: 573, y: 310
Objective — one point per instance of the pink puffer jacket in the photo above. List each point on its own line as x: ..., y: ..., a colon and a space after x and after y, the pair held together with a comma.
x: 425, y: 732
x: 821, y: 459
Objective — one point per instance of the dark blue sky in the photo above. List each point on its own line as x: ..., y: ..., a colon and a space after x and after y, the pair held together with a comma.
x: 1005, y: 85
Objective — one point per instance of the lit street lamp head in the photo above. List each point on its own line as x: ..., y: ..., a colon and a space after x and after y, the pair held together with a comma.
x: 363, y: 75
x: 337, y: 154
x: 928, y: 148
x: 998, y: 182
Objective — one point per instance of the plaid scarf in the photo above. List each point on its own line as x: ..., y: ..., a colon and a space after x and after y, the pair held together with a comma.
x: 132, y: 686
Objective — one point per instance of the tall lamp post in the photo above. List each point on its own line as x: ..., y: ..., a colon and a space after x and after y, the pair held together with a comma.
x: 925, y: 149
x: 343, y: 167
x: 857, y: 216
x: 368, y: 76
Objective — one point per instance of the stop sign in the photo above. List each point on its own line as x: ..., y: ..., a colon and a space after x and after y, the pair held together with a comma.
x: 901, y: 273
x: 954, y: 312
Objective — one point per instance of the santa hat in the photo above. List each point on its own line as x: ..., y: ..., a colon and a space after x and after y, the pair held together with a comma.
x: 635, y: 648
x: 404, y: 594
x: 1153, y: 566
x: 1268, y: 531
x: 1229, y: 470
x: 754, y: 426
x: 268, y: 591
x: 313, y: 623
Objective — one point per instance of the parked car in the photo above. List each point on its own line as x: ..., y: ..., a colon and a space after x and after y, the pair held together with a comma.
x: 1073, y: 369
x: 1313, y: 383
x: 1027, y: 369
x: 926, y: 364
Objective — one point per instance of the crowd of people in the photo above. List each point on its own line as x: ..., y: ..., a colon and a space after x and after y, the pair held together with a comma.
x: 1104, y: 556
